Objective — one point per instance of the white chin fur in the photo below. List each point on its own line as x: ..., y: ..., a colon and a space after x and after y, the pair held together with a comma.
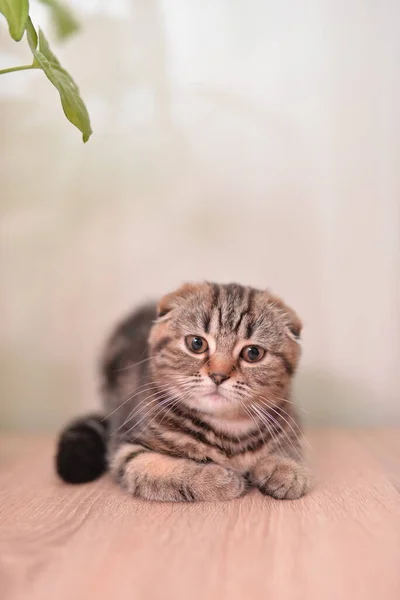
x: 221, y: 409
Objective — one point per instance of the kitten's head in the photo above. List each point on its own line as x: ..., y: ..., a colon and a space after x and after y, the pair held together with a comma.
x: 219, y: 348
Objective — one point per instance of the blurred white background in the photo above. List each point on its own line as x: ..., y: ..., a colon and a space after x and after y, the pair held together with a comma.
x: 255, y: 141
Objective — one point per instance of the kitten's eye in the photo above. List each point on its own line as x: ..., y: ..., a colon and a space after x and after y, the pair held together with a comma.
x: 196, y: 344
x: 295, y: 331
x: 252, y: 353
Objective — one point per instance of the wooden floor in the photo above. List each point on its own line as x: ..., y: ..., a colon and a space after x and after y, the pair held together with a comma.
x: 95, y: 542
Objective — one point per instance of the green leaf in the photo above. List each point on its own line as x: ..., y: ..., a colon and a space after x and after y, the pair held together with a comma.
x: 73, y: 105
x: 16, y: 13
x: 64, y: 20
x: 31, y: 35
x: 44, y: 48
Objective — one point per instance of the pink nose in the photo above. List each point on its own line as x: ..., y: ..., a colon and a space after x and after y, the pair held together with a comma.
x: 218, y: 378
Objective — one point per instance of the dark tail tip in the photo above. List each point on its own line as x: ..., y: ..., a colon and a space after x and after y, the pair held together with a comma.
x: 82, y: 450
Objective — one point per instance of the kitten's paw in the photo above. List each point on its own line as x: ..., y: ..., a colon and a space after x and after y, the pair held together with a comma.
x: 282, y: 479
x: 217, y: 483
x: 164, y: 478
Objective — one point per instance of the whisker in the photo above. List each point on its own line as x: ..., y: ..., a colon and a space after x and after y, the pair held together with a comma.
x: 291, y: 443
x: 274, y: 435
x: 138, y: 391
x: 131, y: 366
x: 269, y: 405
x: 166, y: 405
x: 147, y: 415
x: 277, y: 407
x: 178, y: 377
x: 294, y: 404
x: 154, y: 408
x: 122, y: 404
x: 252, y: 417
x: 139, y: 406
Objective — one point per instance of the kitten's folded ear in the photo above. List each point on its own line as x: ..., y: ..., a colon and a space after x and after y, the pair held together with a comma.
x: 295, y: 325
x: 293, y: 322
x: 175, y: 299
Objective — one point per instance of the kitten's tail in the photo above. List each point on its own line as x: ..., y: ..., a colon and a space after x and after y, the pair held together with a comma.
x: 82, y: 450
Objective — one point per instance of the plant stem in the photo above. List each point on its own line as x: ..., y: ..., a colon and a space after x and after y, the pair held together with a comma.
x: 12, y: 69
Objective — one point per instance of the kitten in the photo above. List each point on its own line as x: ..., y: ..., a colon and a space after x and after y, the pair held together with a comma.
x: 197, y: 400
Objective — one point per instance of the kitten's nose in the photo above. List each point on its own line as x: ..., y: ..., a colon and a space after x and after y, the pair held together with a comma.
x: 218, y: 377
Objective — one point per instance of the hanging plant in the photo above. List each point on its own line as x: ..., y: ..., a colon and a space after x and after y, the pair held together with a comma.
x: 20, y: 25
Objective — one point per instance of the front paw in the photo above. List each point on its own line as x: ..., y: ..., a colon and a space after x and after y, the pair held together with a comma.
x: 216, y: 483
x: 281, y: 478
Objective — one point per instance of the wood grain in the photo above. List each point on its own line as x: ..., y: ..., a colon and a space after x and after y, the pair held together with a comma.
x: 94, y: 541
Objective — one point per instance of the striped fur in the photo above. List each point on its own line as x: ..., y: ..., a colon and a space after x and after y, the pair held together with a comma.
x: 172, y: 433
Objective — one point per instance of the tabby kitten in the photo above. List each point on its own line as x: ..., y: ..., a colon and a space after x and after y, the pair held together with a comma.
x: 196, y: 400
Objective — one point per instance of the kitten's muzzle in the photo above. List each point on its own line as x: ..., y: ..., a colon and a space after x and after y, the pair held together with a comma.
x: 218, y: 378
